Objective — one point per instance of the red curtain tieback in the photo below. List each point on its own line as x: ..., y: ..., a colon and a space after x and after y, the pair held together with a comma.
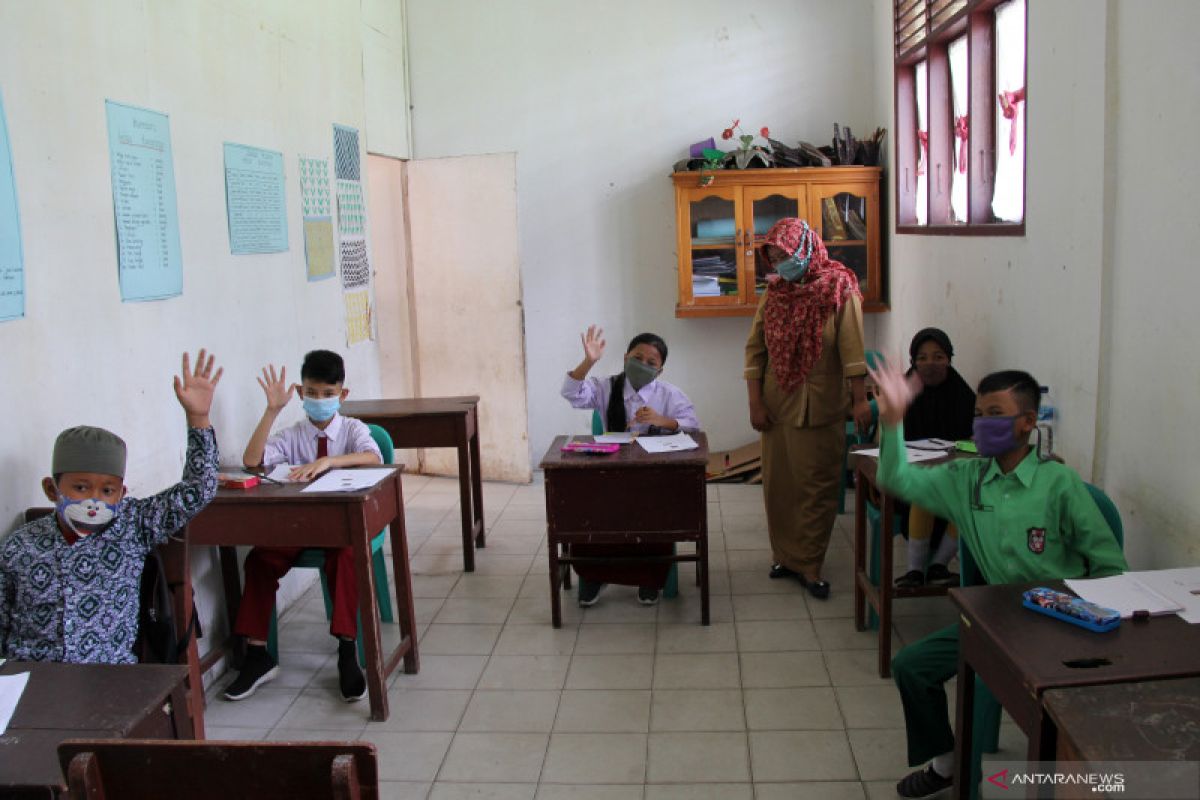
x: 1009, y: 107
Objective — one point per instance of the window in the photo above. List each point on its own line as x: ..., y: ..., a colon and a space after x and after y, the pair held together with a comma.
x: 960, y: 116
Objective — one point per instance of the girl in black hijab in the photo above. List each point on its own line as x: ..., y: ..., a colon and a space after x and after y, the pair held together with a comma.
x: 945, y: 409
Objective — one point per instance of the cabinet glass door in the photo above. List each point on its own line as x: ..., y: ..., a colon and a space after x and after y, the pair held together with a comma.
x: 714, y: 232
x: 766, y: 205
x: 845, y: 220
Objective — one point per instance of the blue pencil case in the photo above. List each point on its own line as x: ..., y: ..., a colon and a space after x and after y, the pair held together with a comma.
x: 1072, y: 609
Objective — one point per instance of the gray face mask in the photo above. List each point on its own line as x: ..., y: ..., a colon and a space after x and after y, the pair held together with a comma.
x: 639, y: 374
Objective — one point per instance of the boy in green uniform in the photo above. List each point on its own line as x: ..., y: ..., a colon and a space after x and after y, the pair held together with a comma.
x: 1021, y: 518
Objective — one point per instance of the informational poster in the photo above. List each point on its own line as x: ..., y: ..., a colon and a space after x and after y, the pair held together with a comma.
x: 254, y: 200
x: 352, y: 236
x: 12, y: 262
x: 149, y: 263
x: 317, y: 208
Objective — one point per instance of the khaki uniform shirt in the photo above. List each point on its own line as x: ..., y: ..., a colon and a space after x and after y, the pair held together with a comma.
x: 823, y: 398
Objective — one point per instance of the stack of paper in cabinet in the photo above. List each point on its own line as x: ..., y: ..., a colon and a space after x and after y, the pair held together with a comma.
x: 705, y: 286
x: 1124, y: 594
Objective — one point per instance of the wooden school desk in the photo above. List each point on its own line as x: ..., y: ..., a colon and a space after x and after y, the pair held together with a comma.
x: 627, y: 496
x: 437, y: 422
x: 1020, y: 654
x: 866, y: 591
x: 99, y: 701
x: 282, y: 515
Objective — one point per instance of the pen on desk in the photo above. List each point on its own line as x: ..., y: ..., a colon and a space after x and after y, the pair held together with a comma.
x: 270, y: 480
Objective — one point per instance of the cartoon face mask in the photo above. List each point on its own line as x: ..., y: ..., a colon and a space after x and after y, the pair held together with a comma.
x: 86, y: 516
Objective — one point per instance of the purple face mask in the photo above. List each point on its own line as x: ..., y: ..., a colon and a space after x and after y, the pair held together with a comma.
x: 995, y: 436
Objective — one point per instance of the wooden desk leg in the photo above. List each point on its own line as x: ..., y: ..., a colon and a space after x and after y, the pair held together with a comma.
x: 185, y: 725
x: 402, y: 577
x: 464, y: 496
x: 885, y: 587
x: 1043, y: 746
x: 860, y: 549
x: 555, y: 600
x: 477, y: 482
x: 368, y: 616
x: 963, y: 716
x: 702, y: 568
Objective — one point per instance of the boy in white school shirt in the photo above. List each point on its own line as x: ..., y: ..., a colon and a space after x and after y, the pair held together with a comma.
x: 320, y: 442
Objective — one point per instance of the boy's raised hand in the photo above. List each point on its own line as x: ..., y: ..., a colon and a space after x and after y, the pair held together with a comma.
x: 194, y: 388
x: 276, y: 388
x: 593, y: 343
x: 896, y: 391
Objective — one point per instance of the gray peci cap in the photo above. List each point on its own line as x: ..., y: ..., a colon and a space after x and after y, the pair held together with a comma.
x: 88, y: 449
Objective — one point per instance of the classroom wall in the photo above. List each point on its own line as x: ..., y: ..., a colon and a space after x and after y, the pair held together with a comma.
x: 266, y: 74
x: 598, y: 101
x: 1093, y: 299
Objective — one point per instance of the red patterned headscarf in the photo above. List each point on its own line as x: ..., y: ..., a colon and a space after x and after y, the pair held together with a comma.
x: 794, y: 314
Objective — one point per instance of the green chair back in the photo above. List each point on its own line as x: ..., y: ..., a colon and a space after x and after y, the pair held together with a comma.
x: 597, y: 424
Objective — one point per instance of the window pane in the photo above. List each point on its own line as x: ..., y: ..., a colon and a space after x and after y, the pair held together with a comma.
x: 958, y: 88
x: 922, y: 90
x: 767, y: 211
x: 1009, y: 198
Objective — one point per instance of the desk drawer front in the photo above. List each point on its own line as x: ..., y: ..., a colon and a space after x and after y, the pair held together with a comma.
x: 634, y: 500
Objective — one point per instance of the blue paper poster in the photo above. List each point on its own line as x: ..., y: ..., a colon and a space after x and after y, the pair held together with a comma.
x: 254, y: 200
x: 12, y: 267
x: 149, y: 262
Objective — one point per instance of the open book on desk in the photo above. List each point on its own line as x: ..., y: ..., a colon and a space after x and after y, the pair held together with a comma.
x: 1124, y: 594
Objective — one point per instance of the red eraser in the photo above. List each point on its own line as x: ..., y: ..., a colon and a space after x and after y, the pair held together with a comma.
x: 238, y: 481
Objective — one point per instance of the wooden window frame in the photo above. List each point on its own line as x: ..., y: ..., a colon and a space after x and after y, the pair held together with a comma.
x: 976, y: 20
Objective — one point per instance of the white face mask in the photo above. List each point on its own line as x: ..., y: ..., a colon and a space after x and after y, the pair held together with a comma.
x: 86, y: 517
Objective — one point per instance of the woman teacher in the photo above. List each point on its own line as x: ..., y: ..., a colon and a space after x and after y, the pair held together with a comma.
x: 805, y: 368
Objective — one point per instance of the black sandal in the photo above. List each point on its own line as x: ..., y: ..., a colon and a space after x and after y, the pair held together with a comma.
x: 780, y: 571
x: 818, y: 589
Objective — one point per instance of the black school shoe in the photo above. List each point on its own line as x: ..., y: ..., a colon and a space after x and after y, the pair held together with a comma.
x: 647, y: 595
x: 818, y: 589
x: 257, y: 669
x: 589, y: 593
x: 780, y: 571
x: 350, y: 674
x: 940, y: 575
x: 923, y: 783
x: 912, y: 579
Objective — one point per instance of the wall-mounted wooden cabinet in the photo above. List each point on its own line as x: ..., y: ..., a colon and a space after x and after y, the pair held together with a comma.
x: 721, y: 228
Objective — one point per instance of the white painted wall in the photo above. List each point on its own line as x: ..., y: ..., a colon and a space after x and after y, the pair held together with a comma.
x: 1148, y: 435
x: 267, y: 74
x: 598, y: 101
x: 1094, y: 300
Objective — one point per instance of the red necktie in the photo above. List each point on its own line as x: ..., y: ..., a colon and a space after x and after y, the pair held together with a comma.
x: 322, y: 446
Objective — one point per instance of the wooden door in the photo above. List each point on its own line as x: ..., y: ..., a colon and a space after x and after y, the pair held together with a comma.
x: 847, y: 217
x: 762, y: 207
x: 710, y: 259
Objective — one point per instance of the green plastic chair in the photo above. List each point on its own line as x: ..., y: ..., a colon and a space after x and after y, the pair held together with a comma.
x: 987, y: 709
x: 314, y: 558
x: 671, y: 588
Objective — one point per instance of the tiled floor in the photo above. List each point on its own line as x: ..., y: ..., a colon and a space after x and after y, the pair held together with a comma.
x: 778, y: 698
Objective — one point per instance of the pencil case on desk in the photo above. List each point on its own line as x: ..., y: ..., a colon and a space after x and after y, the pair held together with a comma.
x: 234, y: 480
x: 1068, y: 608
x: 590, y: 447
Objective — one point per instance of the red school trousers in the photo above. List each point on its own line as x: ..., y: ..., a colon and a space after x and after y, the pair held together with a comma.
x: 266, y: 565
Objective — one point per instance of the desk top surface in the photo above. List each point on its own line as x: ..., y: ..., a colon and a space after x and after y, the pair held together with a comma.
x: 629, y: 456
x: 409, y: 406
x: 870, y: 464
x: 90, y: 697
x: 1051, y: 653
x: 266, y: 492
x: 1145, y: 721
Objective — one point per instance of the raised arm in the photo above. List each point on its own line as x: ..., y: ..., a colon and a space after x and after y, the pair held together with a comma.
x: 278, y: 393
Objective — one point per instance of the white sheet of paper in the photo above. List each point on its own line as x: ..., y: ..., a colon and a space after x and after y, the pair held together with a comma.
x: 625, y: 437
x: 1123, y: 594
x: 280, y: 472
x: 667, y: 444
x: 1177, y: 585
x: 913, y: 454
x: 347, y: 480
x: 930, y: 444
x: 11, y: 689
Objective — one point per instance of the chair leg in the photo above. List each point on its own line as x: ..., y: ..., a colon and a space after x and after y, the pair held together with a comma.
x: 671, y: 588
x: 273, y: 635
x: 379, y: 565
